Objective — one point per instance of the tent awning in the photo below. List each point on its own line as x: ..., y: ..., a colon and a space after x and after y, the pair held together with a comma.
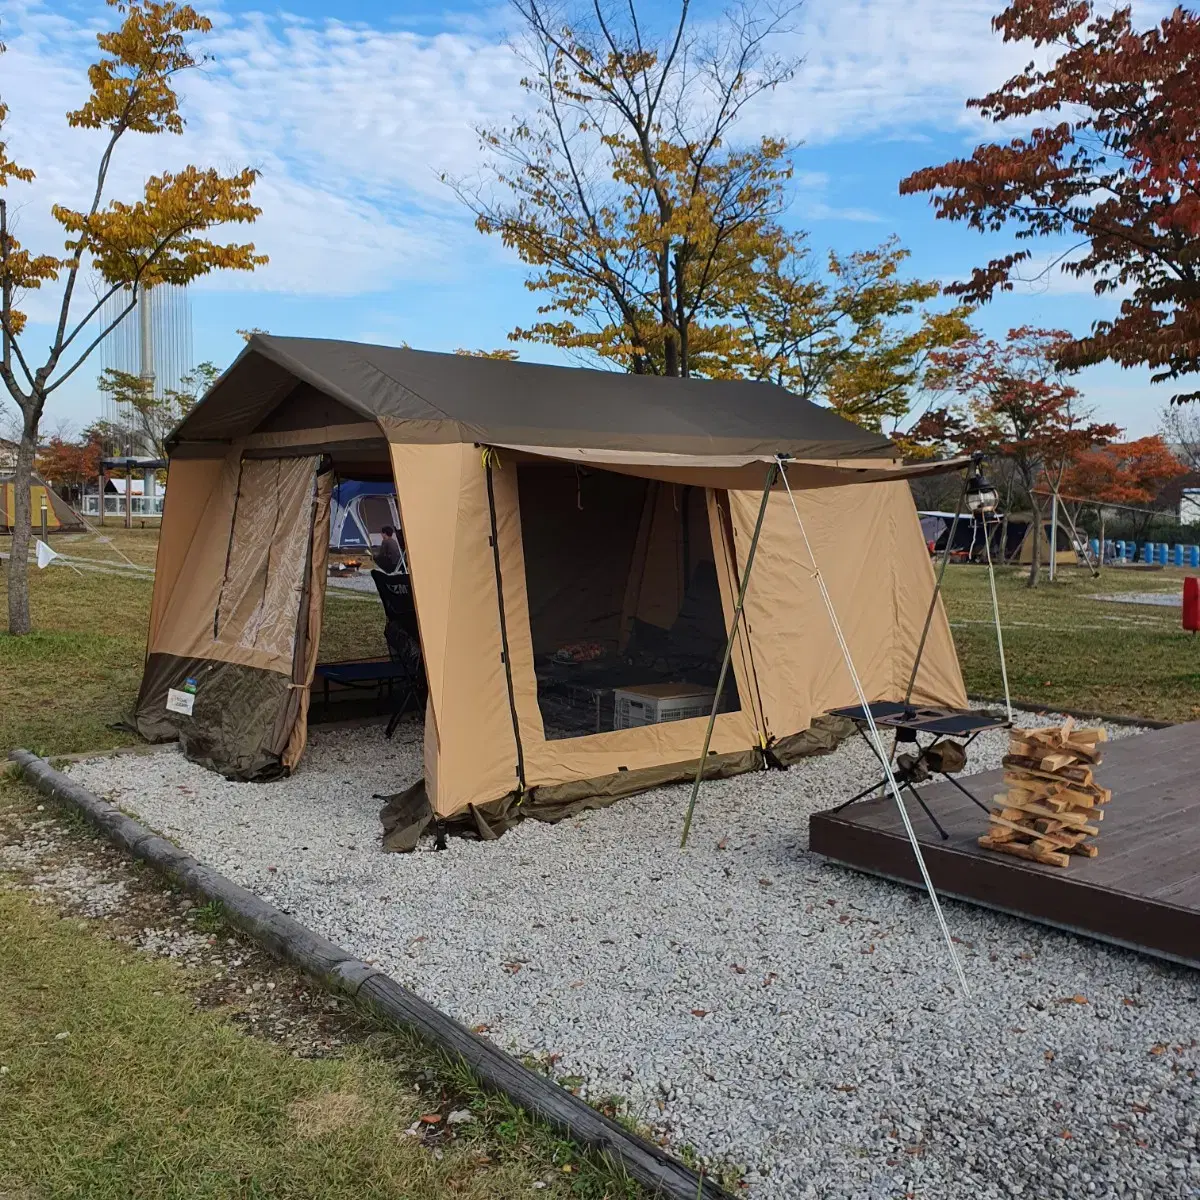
x: 735, y: 472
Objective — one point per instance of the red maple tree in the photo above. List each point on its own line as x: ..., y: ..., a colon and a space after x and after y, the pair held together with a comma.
x: 68, y: 466
x: 1116, y: 167
x: 1132, y: 473
x: 1019, y: 409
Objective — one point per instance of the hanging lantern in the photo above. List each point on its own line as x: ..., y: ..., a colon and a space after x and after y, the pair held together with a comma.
x: 982, y: 497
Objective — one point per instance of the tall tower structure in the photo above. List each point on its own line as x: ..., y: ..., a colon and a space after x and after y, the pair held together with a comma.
x: 153, y: 342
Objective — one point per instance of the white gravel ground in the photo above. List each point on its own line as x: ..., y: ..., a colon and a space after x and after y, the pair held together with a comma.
x: 743, y: 997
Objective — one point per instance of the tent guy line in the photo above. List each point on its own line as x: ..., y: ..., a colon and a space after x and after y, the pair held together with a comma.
x: 877, y: 742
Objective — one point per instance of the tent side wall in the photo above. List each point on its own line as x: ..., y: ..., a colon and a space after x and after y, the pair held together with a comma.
x: 475, y: 753
x: 867, y: 541
x: 60, y: 516
x: 1064, y: 555
x: 442, y: 492
x: 229, y: 613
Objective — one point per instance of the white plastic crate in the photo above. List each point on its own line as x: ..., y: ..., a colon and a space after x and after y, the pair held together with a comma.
x: 659, y: 702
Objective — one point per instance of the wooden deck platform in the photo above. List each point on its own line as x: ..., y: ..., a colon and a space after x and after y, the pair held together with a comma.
x: 1142, y: 891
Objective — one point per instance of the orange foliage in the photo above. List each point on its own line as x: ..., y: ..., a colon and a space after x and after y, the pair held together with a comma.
x: 1107, y: 153
x: 1124, y: 472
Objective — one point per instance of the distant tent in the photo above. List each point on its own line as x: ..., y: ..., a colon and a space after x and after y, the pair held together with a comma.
x: 358, y: 512
x: 935, y: 529
x: 1018, y: 543
x: 60, y: 516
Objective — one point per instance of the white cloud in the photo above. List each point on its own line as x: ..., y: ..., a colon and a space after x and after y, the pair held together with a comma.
x: 875, y: 67
x: 351, y: 127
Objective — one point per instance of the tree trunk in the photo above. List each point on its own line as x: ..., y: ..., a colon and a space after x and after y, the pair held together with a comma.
x: 667, y: 316
x: 18, y: 563
x: 1035, y: 565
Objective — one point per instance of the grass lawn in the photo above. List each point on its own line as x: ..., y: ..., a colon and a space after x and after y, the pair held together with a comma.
x: 115, y: 1086
x: 1064, y: 648
x: 147, y: 1094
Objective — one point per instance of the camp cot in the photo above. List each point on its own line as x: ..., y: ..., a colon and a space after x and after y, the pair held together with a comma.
x: 60, y: 516
x: 358, y: 511
x: 572, y: 535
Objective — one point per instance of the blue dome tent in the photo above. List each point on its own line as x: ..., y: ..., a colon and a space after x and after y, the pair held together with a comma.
x: 358, y: 512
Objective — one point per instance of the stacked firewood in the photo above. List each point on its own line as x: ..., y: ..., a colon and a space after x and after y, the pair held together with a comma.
x: 1053, y: 804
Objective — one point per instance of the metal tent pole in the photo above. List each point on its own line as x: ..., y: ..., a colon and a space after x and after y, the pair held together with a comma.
x: 877, y: 745
x: 772, y: 473
x: 937, y: 591
x: 1053, y: 532
x: 996, y: 615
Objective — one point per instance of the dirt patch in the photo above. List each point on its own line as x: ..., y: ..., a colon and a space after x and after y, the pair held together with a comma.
x: 321, y: 1115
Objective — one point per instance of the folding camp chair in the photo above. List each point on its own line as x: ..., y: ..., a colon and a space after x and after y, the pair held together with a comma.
x: 403, y: 641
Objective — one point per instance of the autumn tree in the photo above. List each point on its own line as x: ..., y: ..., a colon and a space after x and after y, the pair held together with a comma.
x: 68, y: 465
x: 148, y: 414
x: 622, y: 189
x: 1112, y: 163
x: 858, y: 336
x: 1132, y: 473
x: 126, y: 246
x: 655, y: 236
x: 1019, y: 408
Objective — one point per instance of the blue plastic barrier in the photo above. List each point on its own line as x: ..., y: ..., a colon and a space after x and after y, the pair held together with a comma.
x: 1177, y: 555
x: 1162, y: 554
x: 1094, y: 546
x: 1193, y: 556
x: 1121, y: 544
x: 1147, y: 552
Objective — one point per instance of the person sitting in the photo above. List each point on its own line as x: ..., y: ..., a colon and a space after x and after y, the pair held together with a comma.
x: 388, y: 557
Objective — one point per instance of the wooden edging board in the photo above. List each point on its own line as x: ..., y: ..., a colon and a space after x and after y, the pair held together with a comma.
x: 339, y: 971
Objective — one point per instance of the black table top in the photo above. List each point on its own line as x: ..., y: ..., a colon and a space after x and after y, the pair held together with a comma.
x: 947, y: 721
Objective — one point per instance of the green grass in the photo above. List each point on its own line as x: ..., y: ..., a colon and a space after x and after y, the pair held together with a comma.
x: 1064, y: 648
x: 65, y: 684
x: 147, y: 1097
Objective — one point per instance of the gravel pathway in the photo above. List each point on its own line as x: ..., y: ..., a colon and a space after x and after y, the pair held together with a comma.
x: 743, y: 997
x: 1158, y: 599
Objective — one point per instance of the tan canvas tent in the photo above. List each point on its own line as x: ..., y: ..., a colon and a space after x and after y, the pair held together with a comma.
x: 575, y: 539
x: 1019, y: 539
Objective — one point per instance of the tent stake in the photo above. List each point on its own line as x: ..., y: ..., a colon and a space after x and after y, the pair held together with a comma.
x: 877, y: 745
x: 772, y: 472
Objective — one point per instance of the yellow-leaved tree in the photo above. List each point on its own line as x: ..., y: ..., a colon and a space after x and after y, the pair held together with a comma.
x: 655, y: 238
x: 125, y: 246
x: 621, y: 191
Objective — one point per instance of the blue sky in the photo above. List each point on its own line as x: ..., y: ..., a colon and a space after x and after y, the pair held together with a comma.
x: 353, y: 109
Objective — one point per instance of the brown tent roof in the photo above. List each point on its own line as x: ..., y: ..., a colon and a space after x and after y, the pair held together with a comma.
x: 419, y: 396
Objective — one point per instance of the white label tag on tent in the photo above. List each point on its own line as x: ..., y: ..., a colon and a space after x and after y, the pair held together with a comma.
x: 180, y: 702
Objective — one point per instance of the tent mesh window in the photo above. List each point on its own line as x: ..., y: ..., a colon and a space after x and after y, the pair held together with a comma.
x: 376, y: 512
x: 624, y: 602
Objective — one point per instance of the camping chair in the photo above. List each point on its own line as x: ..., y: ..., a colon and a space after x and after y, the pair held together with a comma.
x: 403, y: 641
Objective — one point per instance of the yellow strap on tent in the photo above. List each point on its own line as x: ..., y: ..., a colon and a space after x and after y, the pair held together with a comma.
x: 490, y: 457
